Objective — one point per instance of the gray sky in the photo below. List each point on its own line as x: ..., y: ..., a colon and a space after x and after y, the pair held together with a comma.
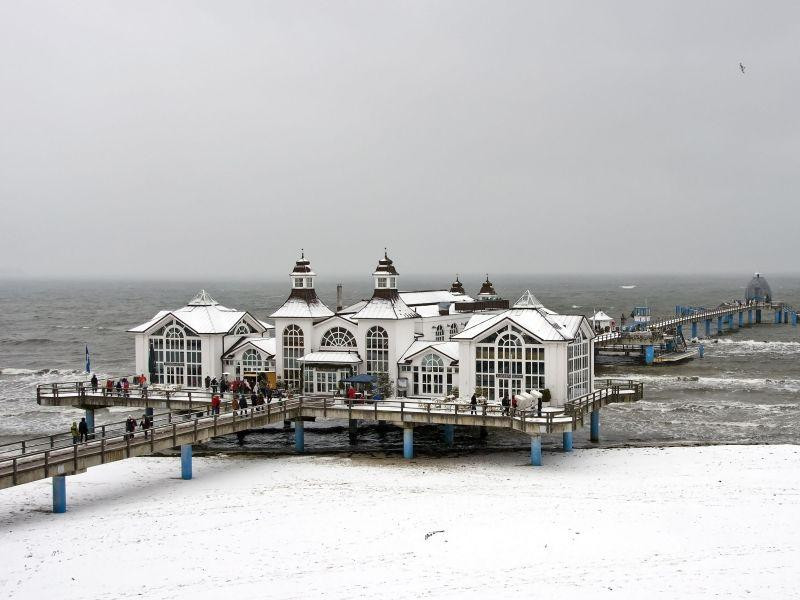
x: 214, y: 139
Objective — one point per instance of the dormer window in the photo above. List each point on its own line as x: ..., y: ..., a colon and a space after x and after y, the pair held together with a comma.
x: 298, y: 282
x: 309, y: 283
x: 393, y: 282
x: 382, y: 282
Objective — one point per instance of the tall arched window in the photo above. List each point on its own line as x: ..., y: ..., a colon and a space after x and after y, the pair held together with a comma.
x: 293, y: 343
x: 175, y: 363
x: 432, y: 372
x: 338, y: 337
x: 453, y: 329
x: 439, y: 333
x: 252, y: 361
x: 177, y: 356
x: 377, y: 350
x: 507, y: 362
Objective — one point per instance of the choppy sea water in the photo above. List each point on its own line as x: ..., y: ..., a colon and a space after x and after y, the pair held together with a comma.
x: 745, y: 390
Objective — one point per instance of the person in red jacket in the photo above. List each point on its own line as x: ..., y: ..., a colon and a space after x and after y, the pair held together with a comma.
x: 215, y: 404
x: 351, y: 392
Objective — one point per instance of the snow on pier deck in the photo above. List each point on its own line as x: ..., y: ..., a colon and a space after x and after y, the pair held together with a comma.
x: 56, y: 455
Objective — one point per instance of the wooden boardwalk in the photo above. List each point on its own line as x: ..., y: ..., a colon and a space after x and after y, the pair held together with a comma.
x: 56, y: 455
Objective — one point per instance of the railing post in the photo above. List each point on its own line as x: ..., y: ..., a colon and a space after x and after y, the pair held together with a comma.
x: 215, y: 424
x: 174, y: 434
x: 47, y: 464
x: 75, y: 457
x: 14, y: 472
x: 195, y: 429
x: 402, y: 408
x: 52, y: 441
x: 23, y: 446
x: 103, y: 450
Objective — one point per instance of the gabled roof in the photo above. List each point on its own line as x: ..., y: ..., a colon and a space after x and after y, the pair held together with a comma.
x: 538, y: 322
x: 385, y: 308
x: 601, y: 316
x: 448, y: 349
x: 203, y: 315
x: 262, y: 344
x: 295, y: 308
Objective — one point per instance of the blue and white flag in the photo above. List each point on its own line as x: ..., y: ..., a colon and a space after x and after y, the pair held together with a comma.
x: 88, y: 361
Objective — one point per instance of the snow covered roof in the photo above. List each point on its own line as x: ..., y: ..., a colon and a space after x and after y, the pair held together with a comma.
x: 296, y: 307
x: 263, y: 344
x: 433, y: 297
x: 266, y: 326
x: 448, y: 349
x: 540, y: 323
x: 528, y: 300
x: 203, y: 314
x: 385, y: 308
x: 601, y: 316
x: 335, y: 358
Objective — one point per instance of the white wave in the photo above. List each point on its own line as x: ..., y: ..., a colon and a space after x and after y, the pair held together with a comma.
x: 12, y: 371
x: 746, y: 347
x: 713, y: 383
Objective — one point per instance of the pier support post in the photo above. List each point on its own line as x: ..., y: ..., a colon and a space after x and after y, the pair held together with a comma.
x: 299, y: 436
x: 408, y: 441
x: 786, y: 317
x: 536, y: 451
x: 595, y: 426
x: 708, y: 327
x: 794, y: 319
x: 694, y: 329
x: 758, y: 315
x: 741, y: 319
x: 680, y: 329
x: 749, y: 316
x: 449, y: 434
x: 59, y: 494
x: 719, y: 324
x: 186, y: 461
x: 777, y: 317
x: 649, y: 355
x: 566, y: 441
x: 90, y: 419
x: 352, y: 430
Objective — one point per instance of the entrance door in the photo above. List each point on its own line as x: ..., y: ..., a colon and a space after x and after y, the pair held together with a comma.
x: 174, y: 374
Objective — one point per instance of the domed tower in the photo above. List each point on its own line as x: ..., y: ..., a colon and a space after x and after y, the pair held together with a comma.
x: 758, y: 290
x: 457, y: 287
x: 487, y: 290
x: 302, y: 300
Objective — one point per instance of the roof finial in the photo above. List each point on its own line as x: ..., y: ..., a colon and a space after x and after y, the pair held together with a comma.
x: 385, y: 253
x: 302, y: 254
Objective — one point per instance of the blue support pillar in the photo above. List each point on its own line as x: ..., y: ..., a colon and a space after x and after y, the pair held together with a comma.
x: 595, y: 426
x: 749, y: 316
x: 708, y: 327
x: 719, y: 324
x: 148, y: 411
x: 741, y: 319
x: 777, y: 317
x: 59, y: 494
x: 408, y: 442
x: 649, y: 355
x: 186, y: 461
x: 566, y: 441
x: 299, y: 436
x: 90, y: 419
x: 786, y: 317
x: 536, y: 451
x: 794, y: 319
x: 758, y: 315
x: 694, y: 329
x: 680, y: 329
x: 449, y: 434
x: 701, y: 350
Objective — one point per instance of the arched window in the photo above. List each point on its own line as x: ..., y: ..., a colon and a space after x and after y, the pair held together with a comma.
x: 432, y: 375
x: 439, y: 333
x: 507, y: 362
x: 242, y: 329
x: 377, y: 350
x: 252, y: 361
x: 453, y: 329
x: 338, y: 337
x: 293, y: 343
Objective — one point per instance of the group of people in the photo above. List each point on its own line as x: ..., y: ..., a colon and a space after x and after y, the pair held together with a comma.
x: 145, y: 423
x: 79, y: 431
x: 506, y: 403
x: 122, y: 387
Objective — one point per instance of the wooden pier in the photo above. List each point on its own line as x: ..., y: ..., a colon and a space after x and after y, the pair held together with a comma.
x: 57, y: 455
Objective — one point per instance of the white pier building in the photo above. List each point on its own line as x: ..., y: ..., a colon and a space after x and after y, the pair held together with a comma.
x: 427, y: 344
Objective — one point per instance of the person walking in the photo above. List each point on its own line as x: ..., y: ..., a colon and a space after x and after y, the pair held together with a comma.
x: 94, y: 383
x: 83, y: 430
x: 130, y: 426
x: 539, y: 406
x: 126, y: 387
x: 215, y: 402
x: 208, y: 382
x: 109, y: 387
x: 243, y: 402
x: 214, y: 385
x: 234, y: 404
x: 75, y: 433
x: 118, y: 388
x: 473, y: 404
x: 505, y: 404
x: 269, y: 394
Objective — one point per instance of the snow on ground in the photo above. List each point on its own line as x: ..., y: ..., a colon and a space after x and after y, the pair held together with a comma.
x: 623, y: 523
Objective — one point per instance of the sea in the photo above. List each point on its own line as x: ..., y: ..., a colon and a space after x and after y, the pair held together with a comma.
x: 746, y: 389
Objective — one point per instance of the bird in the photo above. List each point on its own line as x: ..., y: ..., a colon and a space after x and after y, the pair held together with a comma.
x: 741, y: 66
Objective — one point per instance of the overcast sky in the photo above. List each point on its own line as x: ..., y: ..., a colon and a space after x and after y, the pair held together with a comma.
x: 214, y: 139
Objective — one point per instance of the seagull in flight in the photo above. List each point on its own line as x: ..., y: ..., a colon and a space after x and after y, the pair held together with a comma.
x: 741, y: 66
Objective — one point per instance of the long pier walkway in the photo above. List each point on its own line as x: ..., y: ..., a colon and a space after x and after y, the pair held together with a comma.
x: 57, y: 455
x: 726, y: 316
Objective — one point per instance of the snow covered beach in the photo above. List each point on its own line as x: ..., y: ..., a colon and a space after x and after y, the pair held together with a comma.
x: 624, y: 523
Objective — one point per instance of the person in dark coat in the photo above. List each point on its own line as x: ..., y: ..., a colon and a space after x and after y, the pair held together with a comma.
x: 242, y: 401
x: 473, y: 403
x: 83, y: 429
x: 94, y: 383
x: 505, y: 404
x: 539, y: 407
x: 269, y: 394
x: 208, y: 382
x: 214, y: 385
